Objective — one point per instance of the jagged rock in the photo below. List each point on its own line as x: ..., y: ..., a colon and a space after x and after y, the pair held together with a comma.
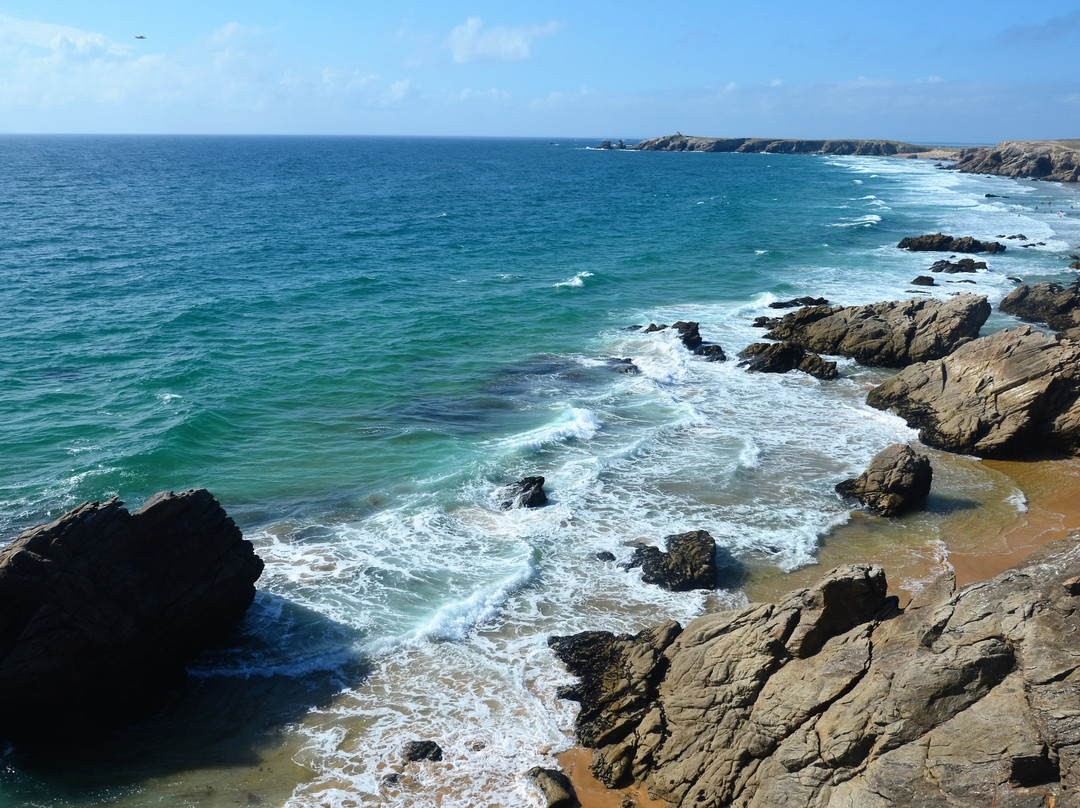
x: 766, y: 322
x: 414, y: 751
x: 923, y: 280
x: 1048, y: 303
x: 690, y: 334
x: 952, y: 267
x: 622, y: 365
x: 834, y: 698
x: 897, y: 480
x: 799, y: 301
x: 711, y: 351
x: 1040, y: 159
x: 526, y: 493
x: 556, y: 787
x: 889, y: 334
x: 1011, y: 394
x: 780, y: 357
x: 689, y: 563
x: 1074, y: 265
x: 101, y: 609
x: 651, y: 327
x: 939, y: 242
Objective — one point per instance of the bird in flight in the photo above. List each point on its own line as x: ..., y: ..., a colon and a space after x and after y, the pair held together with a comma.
x: 140, y: 36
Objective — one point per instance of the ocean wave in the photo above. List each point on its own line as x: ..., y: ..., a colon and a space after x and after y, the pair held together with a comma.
x: 575, y: 423
x: 868, y: 220
x: 576, y: 281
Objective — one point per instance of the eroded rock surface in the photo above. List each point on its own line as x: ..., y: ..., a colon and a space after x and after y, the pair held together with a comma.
x: 1040, y: 159
x: 898, y: 479
x: 101, y: 609
x: 832, y: 698
x: 939, y: 242
x: 1010, y: 394
x: 889, y: 334
x: 1050, y: 303
x: 781, y: 357
x: 689, y: 563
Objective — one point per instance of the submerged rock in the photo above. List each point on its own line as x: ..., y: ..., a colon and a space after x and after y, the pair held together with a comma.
x: 101, y: 609
x: 781, y: 357
x: 415, y: 751
x: 897, y: 480
x: 689, y: 563
x: 888, y: 334
x: 526, y: 493
x: 833, y: 697
x: 690, y: 335
x: 1011, y: 394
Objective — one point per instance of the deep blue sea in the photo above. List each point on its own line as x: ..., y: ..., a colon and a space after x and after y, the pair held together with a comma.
x: 352, y: 342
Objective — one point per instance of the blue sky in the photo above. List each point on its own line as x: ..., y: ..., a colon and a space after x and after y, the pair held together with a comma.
x: 918, y: 71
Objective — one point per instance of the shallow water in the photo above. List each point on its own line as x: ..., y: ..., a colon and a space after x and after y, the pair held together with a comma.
x: 353, y: 342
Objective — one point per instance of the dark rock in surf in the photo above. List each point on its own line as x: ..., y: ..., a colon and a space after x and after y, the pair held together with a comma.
x: 689, y: 563
x: 526, y: 493
x: 690, y: 334
x: 555, y: 786
x: 766, y: 322
x: 620, y: 365
x: 963, y: 265
x: 101, y: 610
x: 711, y: 351
x: 898, y: 479
x: 939, y: 242
x: 781, y: 357
x: 799, y: 301
x: 653, y: 327
x: 923, y: 280
x: 415, y: 751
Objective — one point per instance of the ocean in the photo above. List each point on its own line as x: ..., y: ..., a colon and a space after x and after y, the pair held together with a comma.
x: 353, y: 342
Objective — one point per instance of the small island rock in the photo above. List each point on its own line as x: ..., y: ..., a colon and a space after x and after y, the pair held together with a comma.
x: 897, y: 480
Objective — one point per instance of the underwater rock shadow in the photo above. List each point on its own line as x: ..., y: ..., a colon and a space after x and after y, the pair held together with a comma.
x: 287, y: 660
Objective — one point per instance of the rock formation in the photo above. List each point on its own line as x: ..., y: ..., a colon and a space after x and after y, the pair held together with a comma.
x: 679, y: 142
x: 833, y: 698
x: 555, y: 786
x: 780, y: 357
x: 797, y: 302
x: 1054, y: 160
x: 101, y: 610
x: 952, y: 267
x: 1011, y: 394
x: 1048, y: 303
x: 415, y: 751
x: 923, y: 280
x: 889, y: 334
x: 689, y: 563
x: 525, y: 493
x: 690, y: 334
x: 939, y: 242
x: 897, y: 480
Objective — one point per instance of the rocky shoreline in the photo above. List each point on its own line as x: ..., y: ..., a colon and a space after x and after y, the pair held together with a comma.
x: 1054, y: 160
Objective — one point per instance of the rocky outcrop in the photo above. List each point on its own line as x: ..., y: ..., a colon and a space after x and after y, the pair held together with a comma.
x: 1054, y: 160
x: 1011, y: 394
x: 923, y: 280
x: 555, y: 786
x: 101, y: 609
x: 889, y: 334
x: 1049, y: 303
x: 781, y: 357
x: 690, y: 335
x: 689, y: 563
x: 525, y: 493
x: 897, y: 480
x: 680, y: 142
x: 833, y: 698
x: 797, y: 302
x: 939, y: 242
x: 415, y: 751
x: 607, y: 144
x: 952, y: 267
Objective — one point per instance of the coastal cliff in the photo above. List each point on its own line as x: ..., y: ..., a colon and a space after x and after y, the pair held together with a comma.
x: 1056, y: 160
x: 835, y: 697
x: 679, y: 142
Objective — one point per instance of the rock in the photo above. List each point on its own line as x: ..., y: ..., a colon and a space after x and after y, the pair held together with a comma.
x: 711, y: 351
x: 605, y: 555
x: 555, y: 786
x: 890, y: 334
x: 680, y: 142
x: 526, y: 493
x: 652, y: 327
x: 832, y: 697
x: 1039, y: 159
x: 923, y: 280
x: 938, y: 242
x: 780, y: 357
x: 101, y: 610
x: 690, y: 335
x: 1048, y: 303
x: 766, y: 322
x: 897, y: 480
x: 622, y: 365
x: 414, y: 751
x: 799, y: 301
x: 963, y: 265
x: 689, y: 563
x: 1074, y: 265
x: 1011, y: 394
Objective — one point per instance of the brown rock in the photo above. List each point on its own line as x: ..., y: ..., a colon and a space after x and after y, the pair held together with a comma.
x: 939, y: 242
x: 1040, y: 159
x: 897, y: 480
x: 556, y: 787
x: 781, y: 357
x: 1048, y: 303
x: 689, y: 563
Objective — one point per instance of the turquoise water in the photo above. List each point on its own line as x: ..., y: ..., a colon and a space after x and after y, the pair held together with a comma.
x: 352, y: 342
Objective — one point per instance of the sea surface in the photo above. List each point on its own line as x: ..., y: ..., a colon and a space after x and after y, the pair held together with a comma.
x: 353, y: 342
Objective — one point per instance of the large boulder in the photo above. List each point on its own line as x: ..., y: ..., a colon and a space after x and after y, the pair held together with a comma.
x: 888, y: 334
x: 834, y: 698
x: 1050, y: 303
x: 101, y: 609
x: 689, y: 563
x: 527, y: 492
x: 1011, y: 394
x: 939, y: 242
x: 781, y: 357
x: 897, y: 480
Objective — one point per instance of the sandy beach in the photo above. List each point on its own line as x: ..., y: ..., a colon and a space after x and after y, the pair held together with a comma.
x: 980, y: 547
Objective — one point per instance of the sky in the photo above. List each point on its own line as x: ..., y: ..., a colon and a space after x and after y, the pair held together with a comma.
x: 941, y: 72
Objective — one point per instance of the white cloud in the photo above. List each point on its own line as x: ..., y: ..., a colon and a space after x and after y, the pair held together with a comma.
x: 775, y: 83
x: 58, y: 38
x: 469, y: 42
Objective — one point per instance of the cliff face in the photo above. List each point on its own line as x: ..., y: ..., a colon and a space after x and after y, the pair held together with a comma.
x: 833, y: 697
x: 774, y: 146
x: 1040, y: 159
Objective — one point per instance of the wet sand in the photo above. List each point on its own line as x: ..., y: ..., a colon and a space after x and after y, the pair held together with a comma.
x: 977, y: 541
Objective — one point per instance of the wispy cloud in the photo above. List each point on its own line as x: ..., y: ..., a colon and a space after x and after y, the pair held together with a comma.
x: 58, y: 38
x: 471, y: 42
x: 1054, y: 29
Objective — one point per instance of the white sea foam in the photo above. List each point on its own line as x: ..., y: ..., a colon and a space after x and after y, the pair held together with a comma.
x: 577, y: 281
x: 1018, y: 501
x: 575, y: 423
x: 867, y: 220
